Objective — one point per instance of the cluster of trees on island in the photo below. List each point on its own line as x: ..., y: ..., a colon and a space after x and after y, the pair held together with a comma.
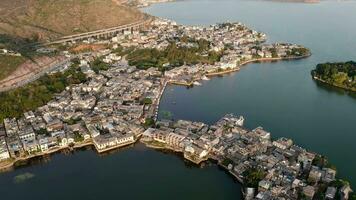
x: 342, y: 75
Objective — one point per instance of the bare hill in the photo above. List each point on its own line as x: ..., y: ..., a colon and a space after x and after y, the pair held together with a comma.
x: 50, y: 19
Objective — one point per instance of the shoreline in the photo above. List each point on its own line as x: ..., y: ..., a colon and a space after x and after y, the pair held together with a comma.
x: 15, y: 163
x: 11, y: 164
x: 334, y: 85
x: 181, y: 154
x: 155, y: 107
x: 189, y: 156
x: 215, y: 160
x: 218, y: 162
x: 237, y: 68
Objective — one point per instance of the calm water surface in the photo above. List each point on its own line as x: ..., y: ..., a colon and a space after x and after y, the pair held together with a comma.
x: 133, y: 173
x: 278, y: 96
x: 281, y: 96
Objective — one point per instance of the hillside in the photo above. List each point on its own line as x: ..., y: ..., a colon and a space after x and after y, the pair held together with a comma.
x: 26, y: 21
x: 50, y: 19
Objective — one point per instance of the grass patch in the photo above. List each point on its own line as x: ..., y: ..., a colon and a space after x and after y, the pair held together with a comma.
x: 9, y: 64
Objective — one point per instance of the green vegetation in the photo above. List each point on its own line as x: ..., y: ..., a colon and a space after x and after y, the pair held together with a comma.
x: 342, y: 75
x: 149, y: 122
x: 16, y: 44
x: 121, y: 51
x: 8, y: 64
x: 147, y: 101
x: 298, y: 52
x: 156, y: 144
x: 253, y: 176
x: 15, y: 102
x: 175, y: 55
x: 226, y: 162
x: 42, y: 131
x: 353, y: 196
x: 320, y: 161
x: 320, y: 193
x: 78, y: 137
x: 99, y: 65
x: 274, y: 53
x: 166, y: 114
x: 72, y: 121
x: 301, y: 51
x: 339, y: 183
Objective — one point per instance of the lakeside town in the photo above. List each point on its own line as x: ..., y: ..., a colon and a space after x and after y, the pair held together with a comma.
x: 118, y: 106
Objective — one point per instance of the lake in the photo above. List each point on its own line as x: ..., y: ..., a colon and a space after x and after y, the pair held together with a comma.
x: 279, y: 96
x: 130, y: 173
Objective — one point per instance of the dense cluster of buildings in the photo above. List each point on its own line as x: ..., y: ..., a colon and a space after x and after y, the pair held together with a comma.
x: 110, y: 108
x: 107, y: 110
x: 238, y: 44
x: 289, y: 171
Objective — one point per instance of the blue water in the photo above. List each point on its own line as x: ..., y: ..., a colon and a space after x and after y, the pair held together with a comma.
x: 280, y: 96
x: 131, y: 173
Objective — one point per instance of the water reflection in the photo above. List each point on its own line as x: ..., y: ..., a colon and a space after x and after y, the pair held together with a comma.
x: 335, y: 90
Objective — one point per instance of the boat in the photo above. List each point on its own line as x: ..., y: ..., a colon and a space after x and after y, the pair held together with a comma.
x: 240, y: 121
x: 205, y: 78
x: 196, y: 83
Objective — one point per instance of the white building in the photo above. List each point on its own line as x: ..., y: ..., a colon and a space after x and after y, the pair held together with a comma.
x: 4, y: 153
x: 174, y: 139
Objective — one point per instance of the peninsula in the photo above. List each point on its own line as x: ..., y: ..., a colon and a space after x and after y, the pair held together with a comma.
x: 110, y: 98
x: 341, y: 75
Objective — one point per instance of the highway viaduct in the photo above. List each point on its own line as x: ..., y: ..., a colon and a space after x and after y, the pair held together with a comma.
x: 109, y: 32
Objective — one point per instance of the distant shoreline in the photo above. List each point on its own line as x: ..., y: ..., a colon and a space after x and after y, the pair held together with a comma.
x: 296, y: 1
x: 228, y: 71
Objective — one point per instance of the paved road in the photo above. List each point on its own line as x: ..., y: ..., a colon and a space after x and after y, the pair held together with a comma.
x: 36, y: 76
x: 99, y: 33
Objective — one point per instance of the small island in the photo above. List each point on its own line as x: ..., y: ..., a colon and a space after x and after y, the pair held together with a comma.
x: 341, y: 74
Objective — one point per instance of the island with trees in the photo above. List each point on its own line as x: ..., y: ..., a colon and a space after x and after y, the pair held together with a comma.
x: 341, y: 74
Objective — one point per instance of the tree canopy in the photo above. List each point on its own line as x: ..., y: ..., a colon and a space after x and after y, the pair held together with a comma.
x: 176, y: 55
x: 338, y: 74
x: 15, y: 102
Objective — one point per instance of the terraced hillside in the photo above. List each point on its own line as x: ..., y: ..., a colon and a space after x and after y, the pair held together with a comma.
x: 49, y: 19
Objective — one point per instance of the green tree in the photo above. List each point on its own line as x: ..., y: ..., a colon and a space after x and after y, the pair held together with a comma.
x: 29, y: 97
x: 147, y: 101
x: 149, y: 122
x: 42, y: 131
x: 253, y: 176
